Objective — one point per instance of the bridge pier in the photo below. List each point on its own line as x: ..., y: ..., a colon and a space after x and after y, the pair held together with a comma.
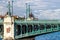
x: 8, y: 39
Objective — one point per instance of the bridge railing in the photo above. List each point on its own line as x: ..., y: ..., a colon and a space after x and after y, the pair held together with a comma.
x: 38, y: 21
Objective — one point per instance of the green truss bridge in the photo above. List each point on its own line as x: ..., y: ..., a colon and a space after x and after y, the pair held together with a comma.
x: 23, y: 29
x: 33, y: 28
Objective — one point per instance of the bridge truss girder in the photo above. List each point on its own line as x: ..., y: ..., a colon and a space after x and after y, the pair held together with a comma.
x: 32, y: 29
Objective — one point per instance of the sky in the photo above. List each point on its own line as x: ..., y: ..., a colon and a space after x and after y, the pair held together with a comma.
x: 42, y: 9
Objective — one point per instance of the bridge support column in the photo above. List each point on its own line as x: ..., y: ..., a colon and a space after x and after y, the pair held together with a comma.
x: 8, y: 28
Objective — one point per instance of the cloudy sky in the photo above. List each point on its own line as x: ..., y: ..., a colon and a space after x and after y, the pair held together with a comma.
x: 42, y: 9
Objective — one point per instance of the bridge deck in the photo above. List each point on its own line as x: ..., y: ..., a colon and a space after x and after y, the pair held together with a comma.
x: 38, y: 21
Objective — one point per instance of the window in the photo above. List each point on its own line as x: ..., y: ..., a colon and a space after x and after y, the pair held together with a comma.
x: 8, y: 30
x: 23, y: 29
x: 41, y: 27
x: 18, y: 30
x: 29, y: 28
x: 48, y: 26
x: 54, y: 25
x: 59, y: 25
x: 1, y: 29
x: 35, y: 27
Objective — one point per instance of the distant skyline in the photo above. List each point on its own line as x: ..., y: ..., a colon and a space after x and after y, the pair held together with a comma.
x: 42, y: 9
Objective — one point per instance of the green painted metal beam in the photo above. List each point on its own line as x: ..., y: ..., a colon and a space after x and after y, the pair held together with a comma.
x: 55, y: 27
x: 40, y: 21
